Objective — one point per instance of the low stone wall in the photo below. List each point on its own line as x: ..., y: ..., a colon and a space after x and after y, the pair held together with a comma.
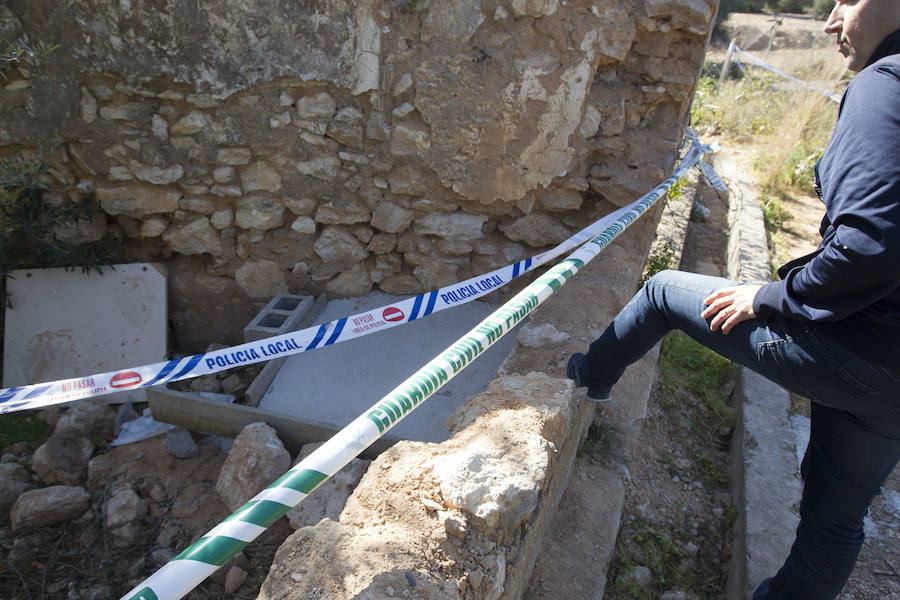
x: 256, y: 147
x: 467, y: 518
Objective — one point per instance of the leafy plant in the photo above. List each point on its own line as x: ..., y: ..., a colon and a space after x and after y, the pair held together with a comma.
x: 25, y: 427
x: 690, y: 372
x: 660, y: 259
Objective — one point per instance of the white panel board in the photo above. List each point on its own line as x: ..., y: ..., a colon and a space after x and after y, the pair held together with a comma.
x: 62, y: 324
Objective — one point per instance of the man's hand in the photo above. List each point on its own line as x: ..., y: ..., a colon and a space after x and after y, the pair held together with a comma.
x: 730, y: 306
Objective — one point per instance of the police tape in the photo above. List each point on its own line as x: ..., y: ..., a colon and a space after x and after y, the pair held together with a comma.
x: 184, y: 572
x: 761, y: 63
x: 379, y: 319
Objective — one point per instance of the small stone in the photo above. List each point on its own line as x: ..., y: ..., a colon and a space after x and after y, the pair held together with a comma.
x: 159, y: 127
x: 541, y: 336
x: 154, y: 226
x: 258, y: 457
x: 235, y: 579
x: 206, y: 383
x: 261, y: 176
x: 202, y: 100
x: 699, y: 213
x: 475, y: 578
x: 302, y: 207
x: 639, y: 575
x: 123, y: 513
x: 231, y: 384
x: 319, y: 106
x: 678, y: 595
x: 431, y: 504
x: 180, y: 444
x: 19, y: 555
x: 234, y: 156
x: 261, y: 278
x: 88, y: 106
x: 162, y: 555
x: 403, y: 84
x: 259, y: 212
x: 403, y: 110
x: 191, y: 123
x: 304, y: 225
x: 221, y: 219
x: 223, y: 174
x: 280, y: 120
x: 456, y: 527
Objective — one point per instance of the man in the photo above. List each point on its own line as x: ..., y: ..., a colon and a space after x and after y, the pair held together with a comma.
x: 828, y: 330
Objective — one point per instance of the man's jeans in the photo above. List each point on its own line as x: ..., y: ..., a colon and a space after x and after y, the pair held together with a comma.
x: 855, y: 431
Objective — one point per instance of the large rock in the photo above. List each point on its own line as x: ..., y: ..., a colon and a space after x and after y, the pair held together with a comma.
x: 63, y: 458
x: 256, y: 460
x: 391, y: 218
x: 458, y: 225
x: 535, y: 230
x: 48, y: 506
x: 328, y: 500
x: 259, y: 212
x: 194, y: 237
x: 93, y: 416
x: 138, y: 200
x: 342, y: 212
x: 261, y: 177
x: 469, y: 498
x: 336, y: 244
x: 261, y: 278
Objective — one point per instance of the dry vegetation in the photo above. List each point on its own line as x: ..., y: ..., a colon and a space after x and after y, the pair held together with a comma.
x: 785, y: 126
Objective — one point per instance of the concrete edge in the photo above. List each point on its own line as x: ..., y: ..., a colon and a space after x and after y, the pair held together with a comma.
x: 764, y: 476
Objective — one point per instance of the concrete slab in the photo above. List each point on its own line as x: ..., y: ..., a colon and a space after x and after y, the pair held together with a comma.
x: 333, y: 385
x: 65, y: 324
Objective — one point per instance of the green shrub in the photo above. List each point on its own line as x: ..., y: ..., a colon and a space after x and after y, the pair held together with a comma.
x: 820, y: 9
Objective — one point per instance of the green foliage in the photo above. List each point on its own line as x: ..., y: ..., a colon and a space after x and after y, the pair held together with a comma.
x: 744, y: 109
x: 21, y: 51
x: 677, y: 189
x: 820, y: 9
x: 662, y: 258
x: 775, y: 214
x: 601, y: 441
x: 648, y: 546
x: 32, y: 227
x: 24, y: 427
x: 691, y: 373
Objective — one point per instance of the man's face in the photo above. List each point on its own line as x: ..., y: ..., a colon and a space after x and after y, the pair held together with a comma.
x: 860, y: 25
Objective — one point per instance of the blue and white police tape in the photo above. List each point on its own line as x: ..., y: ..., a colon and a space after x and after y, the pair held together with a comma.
x: 350, y: 327
x: 180, y: 575
x: 761, y: 63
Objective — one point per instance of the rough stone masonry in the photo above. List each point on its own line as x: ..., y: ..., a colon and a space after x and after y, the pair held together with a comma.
x: 257, y: 146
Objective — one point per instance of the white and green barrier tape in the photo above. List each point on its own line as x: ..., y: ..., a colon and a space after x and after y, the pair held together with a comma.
x: 202, y: 558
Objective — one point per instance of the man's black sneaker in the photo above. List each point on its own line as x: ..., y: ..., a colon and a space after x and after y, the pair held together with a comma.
x: 575, y: 373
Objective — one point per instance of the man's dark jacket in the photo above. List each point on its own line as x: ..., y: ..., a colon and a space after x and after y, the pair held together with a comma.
x: 850, y: 287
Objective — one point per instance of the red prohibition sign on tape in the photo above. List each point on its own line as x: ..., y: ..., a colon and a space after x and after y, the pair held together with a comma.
x: 125, y: 379
x: 392, y: 313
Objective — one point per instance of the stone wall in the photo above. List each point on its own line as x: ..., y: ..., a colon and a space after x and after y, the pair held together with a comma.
x: 257, y: 146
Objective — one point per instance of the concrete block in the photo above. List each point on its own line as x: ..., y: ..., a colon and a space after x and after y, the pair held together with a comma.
x: 764, y: 468
x: 69, y: 323
x: 284, y: 313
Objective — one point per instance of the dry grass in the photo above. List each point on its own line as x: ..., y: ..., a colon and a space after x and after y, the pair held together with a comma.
x: 787, y: 125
